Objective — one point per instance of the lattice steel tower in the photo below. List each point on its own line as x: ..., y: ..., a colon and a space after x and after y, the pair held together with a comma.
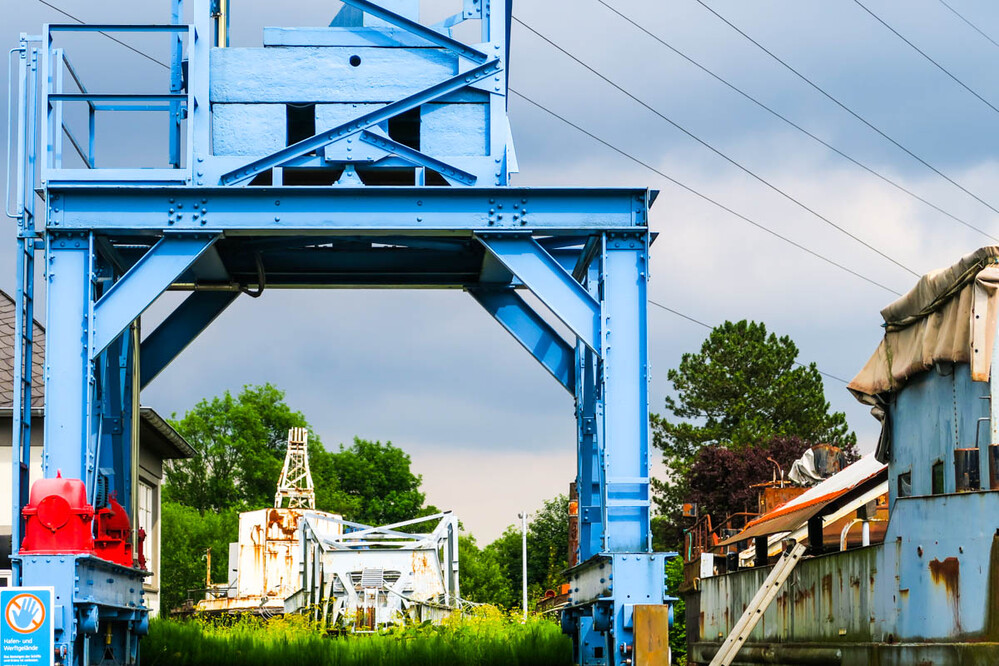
x: 295, y: 489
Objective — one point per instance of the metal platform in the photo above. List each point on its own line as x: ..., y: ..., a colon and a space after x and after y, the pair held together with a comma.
x: 371, y: 153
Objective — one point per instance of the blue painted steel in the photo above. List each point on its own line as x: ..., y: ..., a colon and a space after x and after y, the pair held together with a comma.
x: 135, y: 291
x: 583, y: 252
x: 88, y: 586
x: 452, y: 173
x: 180, y: 329
x: 625, y: 391
x: 365, y: 121
x: 531, y: 331
x: 69, y: 372
x: 415, y: 28
x: 542, y: 274
x: 412, y: 209
x: 23, y: 361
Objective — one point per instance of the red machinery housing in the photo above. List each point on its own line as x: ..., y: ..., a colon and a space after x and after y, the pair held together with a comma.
x: 58, y: 522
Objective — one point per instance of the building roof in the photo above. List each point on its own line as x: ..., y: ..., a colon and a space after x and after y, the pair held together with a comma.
x: 8, y: 309
x: 157, y: 434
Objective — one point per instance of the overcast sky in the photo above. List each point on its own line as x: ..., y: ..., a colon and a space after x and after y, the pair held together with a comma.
x: 487, y: 427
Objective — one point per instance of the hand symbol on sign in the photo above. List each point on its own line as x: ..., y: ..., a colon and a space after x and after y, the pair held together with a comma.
x: 24, y: 617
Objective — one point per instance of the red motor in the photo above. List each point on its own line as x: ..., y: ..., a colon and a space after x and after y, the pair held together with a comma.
x: 57, y: 518
x: 114, y: 534
x: 58, y: 522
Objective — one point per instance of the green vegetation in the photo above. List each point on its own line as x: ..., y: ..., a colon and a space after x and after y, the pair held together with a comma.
x: 241, y: 441
x: 483, y: 637
x: 547, y: 553
x: 743, y: 390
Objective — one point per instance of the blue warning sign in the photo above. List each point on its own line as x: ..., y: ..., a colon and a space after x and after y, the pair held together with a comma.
x: 26, y: 629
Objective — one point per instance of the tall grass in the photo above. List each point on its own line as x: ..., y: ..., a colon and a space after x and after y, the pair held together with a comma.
x: 484, y: 637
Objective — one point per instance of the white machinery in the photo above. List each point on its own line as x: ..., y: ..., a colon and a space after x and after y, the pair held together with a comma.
x: 377, y: 575
x: 294, y: 559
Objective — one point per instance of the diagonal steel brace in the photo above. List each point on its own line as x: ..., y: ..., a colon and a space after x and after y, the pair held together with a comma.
x: 352, y: 127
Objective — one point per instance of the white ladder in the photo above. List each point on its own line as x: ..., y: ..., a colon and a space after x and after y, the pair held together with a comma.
x: 754, y: 612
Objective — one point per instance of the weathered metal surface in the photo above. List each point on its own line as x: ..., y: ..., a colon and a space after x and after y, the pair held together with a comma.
x: 652, y: 635
x: 939, y: 411
x: 937, y: 582
x: 269, y: 560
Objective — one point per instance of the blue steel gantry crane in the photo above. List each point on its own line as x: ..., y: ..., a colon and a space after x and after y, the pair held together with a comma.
x: 374, y: 152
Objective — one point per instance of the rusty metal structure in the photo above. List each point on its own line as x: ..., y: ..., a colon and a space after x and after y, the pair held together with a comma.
x: 342, y: 573
x: 923, y: 587
x: 369, y: 577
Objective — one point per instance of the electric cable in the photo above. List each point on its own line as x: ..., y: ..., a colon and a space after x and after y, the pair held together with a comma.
x: 853, y: 113
x: 796, y: 126
x: 111, y: 37
x: 718, y: 152
x: 701, y: 195
x: 625, y: 154
x: 709, y: 326
x: 926, y: 55
x: 973, y: 26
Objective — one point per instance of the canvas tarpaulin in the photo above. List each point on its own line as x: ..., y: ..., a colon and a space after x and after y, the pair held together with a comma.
x: 949, y: 316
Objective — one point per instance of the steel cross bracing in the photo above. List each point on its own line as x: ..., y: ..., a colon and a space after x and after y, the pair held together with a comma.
x: 371, y: 153
x: 295, y: 485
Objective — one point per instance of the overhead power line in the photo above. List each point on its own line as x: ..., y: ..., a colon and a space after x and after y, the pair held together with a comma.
x: 709, y: 326
x: 701, y: 195
x: 796, y: 126
x: 618, y: 150
x: 973, y: 26
x: 926, y: 55
x: 718, y: 152
x: 853, y: 113
x: 111, y: 37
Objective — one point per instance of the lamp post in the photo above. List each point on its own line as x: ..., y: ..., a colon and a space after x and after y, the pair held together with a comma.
x: 523, y: 530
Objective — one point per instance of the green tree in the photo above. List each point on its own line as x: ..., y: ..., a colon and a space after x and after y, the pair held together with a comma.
x: 678, y: 632
x: 482, y: 580
x: 187, y: 534
x: 548, y: 544
x: 375, y: 484
x: 547, y: 551
x: 241, y: 443
x: 743, y: 389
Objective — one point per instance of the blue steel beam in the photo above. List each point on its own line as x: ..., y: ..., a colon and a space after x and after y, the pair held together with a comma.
x: 418, y: 158
x: 531, y: 331
x: 419, y: 29
x: 365, y: 121
x: 128, y: 298
x: 282, y: 210
x: 69, y: 373
x: 178, y: 330
x: 543, y: 275
x: 624, y: 349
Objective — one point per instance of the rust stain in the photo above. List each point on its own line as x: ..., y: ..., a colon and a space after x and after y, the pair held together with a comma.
x: 992, y: 603
x: 700, y: 624
x: 827, y: 597
x: 948, y: 574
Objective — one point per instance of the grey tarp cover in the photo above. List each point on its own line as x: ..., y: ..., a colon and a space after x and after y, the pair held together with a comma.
x: 950, y: 315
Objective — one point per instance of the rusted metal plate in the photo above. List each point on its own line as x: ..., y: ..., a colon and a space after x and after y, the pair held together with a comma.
x: 651, y: 622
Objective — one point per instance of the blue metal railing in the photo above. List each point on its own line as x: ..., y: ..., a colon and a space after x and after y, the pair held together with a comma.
x: 174, y: 103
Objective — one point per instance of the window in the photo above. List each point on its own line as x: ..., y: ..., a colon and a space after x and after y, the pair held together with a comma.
x: 938, y: 478
x: 147, y: 522
x: 905, y: 484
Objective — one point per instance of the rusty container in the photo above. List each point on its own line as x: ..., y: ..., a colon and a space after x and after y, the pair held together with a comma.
x: 966, y: 470
x: 994, y: 467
